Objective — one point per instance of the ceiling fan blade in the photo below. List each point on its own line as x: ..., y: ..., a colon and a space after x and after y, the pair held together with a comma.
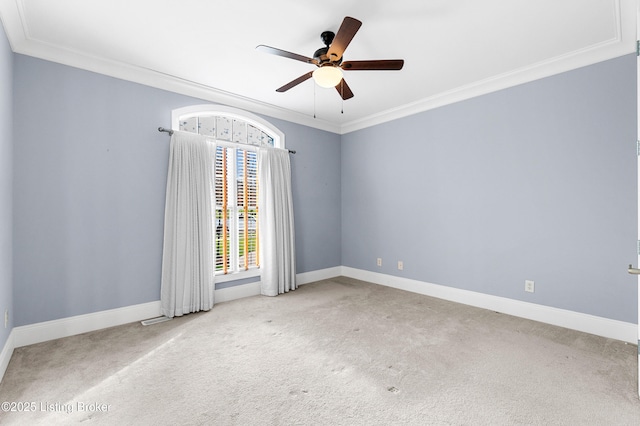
x: 345, y: 34
x: 285, y: 54
x: 344, y: 90
x: 295, y: 82
x: 375, y: 65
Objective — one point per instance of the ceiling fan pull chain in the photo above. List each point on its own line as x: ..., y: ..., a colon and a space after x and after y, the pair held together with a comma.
x: 314, y: 101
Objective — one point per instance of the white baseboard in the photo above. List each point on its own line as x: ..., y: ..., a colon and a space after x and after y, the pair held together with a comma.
x: 65, y: 327
x: 49, y: 330
x: 613, y: 329
x: 253, y: 289
x: 5, y: 355
x: 237, y: 292
x: 319, y: 275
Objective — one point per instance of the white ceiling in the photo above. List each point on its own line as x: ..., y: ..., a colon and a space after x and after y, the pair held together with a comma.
x: 453, y: 49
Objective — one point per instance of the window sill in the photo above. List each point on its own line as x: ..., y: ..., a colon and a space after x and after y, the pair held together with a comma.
x: 222, y: 278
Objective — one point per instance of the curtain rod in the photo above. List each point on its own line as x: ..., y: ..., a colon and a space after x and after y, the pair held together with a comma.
x: 162, y: 129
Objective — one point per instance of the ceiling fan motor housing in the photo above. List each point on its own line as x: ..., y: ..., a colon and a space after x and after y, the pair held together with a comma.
x: 321, y: 54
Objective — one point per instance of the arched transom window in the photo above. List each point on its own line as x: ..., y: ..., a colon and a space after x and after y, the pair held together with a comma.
x: 227, y: 124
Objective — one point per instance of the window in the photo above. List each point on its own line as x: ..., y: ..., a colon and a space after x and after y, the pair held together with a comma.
x: 237, y: 135
x: 236, y: 209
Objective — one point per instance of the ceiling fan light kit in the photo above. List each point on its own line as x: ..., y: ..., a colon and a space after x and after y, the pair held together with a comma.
x: 327, y: 76
x: 328, y: 59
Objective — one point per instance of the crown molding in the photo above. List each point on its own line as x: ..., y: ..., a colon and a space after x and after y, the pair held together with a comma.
x: 22, y: 43
x: 623, y: 43
x: 163, y: 81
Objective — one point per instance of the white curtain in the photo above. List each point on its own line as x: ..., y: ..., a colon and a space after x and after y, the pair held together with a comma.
x: 187, y: 260
x: 277, y: 239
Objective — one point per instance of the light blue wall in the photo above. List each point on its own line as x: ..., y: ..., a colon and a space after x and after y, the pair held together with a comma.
x: 536, y: 182
x: 533, y: 182
x: 6, y: 185
x: 316, y: 179
x: 90, y: 179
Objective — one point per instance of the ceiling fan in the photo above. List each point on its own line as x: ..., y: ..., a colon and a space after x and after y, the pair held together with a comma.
x: 328, y: 59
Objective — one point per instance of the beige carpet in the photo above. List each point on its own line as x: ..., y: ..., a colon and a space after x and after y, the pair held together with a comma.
x: 336, y: 352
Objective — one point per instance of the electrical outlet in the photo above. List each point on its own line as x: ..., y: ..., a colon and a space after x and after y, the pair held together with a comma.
x: 529, y: 286
x: 400, y: 265
x: 379, y: 261
x: 6, y: 318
